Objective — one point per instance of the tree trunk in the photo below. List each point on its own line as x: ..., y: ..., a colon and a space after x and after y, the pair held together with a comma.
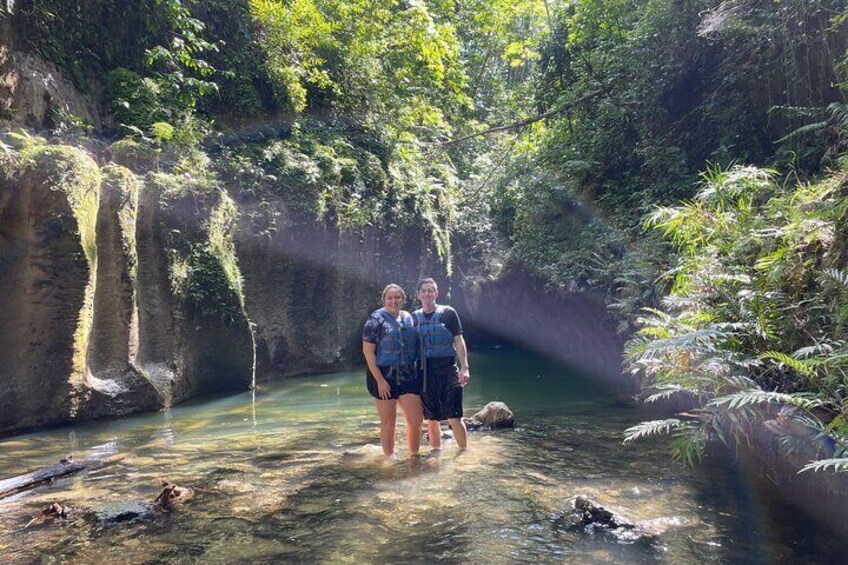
x: 65, y: 467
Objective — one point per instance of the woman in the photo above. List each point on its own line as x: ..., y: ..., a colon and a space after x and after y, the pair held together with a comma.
x: 390, y: 346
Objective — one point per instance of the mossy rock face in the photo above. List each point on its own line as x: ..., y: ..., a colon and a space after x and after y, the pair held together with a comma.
x: 132, y: 154
x: 168, y: 266
x: 47, y: 254
x: 113, y: 386
x: 212, y: 342
x: 80, y: 252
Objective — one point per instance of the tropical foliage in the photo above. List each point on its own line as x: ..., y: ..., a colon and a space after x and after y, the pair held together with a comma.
x: 756, y: 318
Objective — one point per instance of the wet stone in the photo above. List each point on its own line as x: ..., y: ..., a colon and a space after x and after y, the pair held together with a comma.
x: 122, y: 512
x: 589, y: 517
x: 494, y: 415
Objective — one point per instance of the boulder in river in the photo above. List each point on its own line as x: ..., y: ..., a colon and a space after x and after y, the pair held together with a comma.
x: 494, y: 415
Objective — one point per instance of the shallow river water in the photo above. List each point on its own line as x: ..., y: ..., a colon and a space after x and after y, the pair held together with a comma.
x: 298, y: 476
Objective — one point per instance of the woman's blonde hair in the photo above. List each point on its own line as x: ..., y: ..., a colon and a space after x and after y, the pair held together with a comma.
x: 389, y: 288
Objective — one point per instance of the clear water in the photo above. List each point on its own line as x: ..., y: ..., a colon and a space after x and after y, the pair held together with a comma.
x: 298, y: 476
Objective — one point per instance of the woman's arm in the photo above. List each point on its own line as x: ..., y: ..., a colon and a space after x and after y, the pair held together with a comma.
x: 369, y: 350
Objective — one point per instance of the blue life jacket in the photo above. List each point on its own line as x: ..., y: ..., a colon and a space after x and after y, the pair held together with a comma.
x: 399, y: 346
x: 437, y: 338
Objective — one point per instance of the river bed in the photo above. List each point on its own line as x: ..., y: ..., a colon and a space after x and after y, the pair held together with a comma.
x: 296, y: 474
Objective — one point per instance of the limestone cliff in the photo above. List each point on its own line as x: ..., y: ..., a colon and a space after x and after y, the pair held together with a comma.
x: 93, y: 323
x: 36, y: 93
x: 132, y: 289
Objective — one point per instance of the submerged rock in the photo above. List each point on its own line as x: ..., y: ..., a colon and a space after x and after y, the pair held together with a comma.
x: 494, y: 415
x: 590, y: 517
x: 122, y: 512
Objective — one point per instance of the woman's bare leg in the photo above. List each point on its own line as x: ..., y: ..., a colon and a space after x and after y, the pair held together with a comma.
x: 387, y: 409
x: 413, y: 413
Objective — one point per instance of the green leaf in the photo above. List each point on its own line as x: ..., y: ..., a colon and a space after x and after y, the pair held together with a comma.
x: 799, y: 365
x: 653, y: 427
x: 162, y: 131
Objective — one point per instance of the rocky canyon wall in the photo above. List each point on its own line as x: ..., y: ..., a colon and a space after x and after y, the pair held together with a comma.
x: 92, y: 323
x: 131, y: 290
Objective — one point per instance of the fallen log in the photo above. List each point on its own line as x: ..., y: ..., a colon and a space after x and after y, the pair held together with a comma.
x: 63, y: 468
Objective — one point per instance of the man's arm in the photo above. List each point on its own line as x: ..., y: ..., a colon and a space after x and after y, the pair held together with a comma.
x: 462, y: 355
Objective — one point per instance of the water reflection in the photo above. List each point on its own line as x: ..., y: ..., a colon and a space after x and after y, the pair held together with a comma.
x: 296, y: 473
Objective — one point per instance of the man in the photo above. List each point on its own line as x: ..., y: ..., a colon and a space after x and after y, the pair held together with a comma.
x: 442, y: 344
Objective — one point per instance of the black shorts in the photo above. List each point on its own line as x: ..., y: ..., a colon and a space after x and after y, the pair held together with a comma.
x: 443, y: 398
x: 402, y: 380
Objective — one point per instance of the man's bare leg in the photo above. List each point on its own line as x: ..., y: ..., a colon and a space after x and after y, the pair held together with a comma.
x: 459, y: 433
x: 434, y: 434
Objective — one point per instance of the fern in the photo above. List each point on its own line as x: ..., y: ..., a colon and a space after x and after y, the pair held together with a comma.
x: 839, y: 114
x: 810, y: 350
x: 747, y: 398
x: 740, y: 382
x: 749, y: 294
x: 664, y: 392
x: 835, y: 275
x: 797, y: 365
x: 808, y: 128
x: 837, y: 465
x: 653, y: 427
x: 688, y: 446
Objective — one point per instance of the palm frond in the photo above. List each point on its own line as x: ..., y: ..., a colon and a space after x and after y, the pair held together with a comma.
x: 650, y: 428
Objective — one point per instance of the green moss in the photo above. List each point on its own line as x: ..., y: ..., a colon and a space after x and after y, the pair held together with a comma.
x: 128, y: 151
x: 127, y: 185
x: 222, y: 222
x: 221, y: 227
x: 73, y: 171
x: 198, y: 224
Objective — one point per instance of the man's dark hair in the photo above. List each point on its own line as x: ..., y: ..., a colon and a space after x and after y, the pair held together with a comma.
x: 427, y: 280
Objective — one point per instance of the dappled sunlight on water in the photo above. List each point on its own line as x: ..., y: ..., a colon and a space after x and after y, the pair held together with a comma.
x: 300, y: 476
